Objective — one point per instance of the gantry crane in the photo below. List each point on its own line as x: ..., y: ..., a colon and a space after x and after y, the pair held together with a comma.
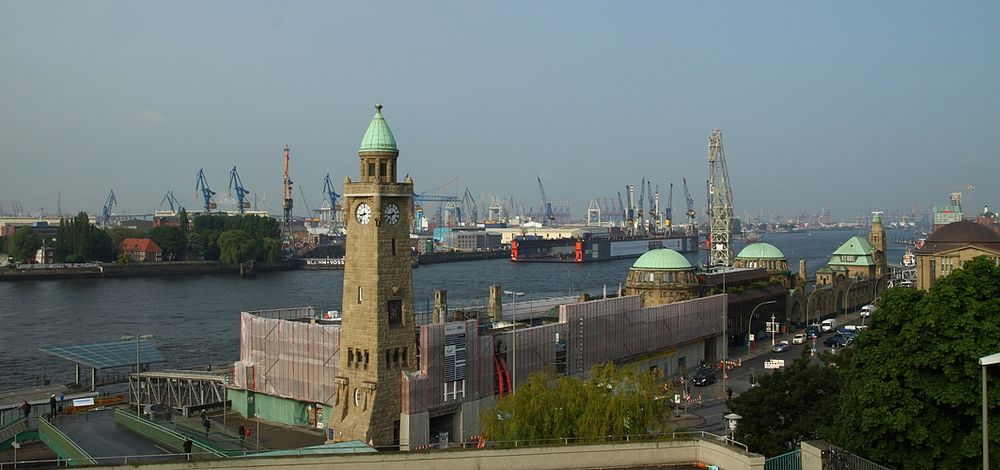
x: 669, y: 215
x: 241, y: 192
x: 470, y: 209
x: 111, y: 202
x: 691, y: 228
x: 206, y: 192
x: 330, y: 202
x: 720, y: 209
x: 175, y: 205
x: 546, y: 205
x: 286, y: 203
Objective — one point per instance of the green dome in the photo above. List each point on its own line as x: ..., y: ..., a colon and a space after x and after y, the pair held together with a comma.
x: 760, y: 250
x: 663, y: 258
x: 378, y: 138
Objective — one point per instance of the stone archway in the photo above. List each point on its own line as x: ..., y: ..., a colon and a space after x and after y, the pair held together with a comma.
x: 839, y: 306
x: 795, y: 313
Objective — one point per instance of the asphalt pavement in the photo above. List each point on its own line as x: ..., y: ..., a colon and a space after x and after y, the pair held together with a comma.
x: 707, y: 416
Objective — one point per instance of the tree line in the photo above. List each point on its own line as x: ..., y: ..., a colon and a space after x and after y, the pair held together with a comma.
x: 228, y: 239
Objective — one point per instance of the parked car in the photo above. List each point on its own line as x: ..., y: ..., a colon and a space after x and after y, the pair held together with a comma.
x: 782, y: 346
x: 704, y: 376
x: 799, y: 338
x: 812, y: 331
x: 828, y: 325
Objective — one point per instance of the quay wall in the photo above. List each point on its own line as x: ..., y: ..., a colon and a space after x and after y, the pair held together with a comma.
x: 115, y: 270
x: 455, y: 256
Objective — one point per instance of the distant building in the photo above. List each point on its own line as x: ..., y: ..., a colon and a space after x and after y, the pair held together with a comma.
x: 951, y: 246
x: 45, y: 255
x: 141, y: 250
x: 661, y: 277
x: 944, y: 215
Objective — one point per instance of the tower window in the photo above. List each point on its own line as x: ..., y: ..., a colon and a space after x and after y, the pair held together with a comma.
x: 371, y: 169
x: 405, y: 350
x: 393, y: 247
x: 387, y: 358
x: 366, y: 358
x: 361, y: 293
x: 395, y: 308
x: 382, y: 169
x: 395, y: 357
x: 350, y: 357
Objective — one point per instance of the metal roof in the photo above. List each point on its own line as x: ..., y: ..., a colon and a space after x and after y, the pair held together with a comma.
x: 106, y: 355
x: 378, y: 137
x: 662, y: 258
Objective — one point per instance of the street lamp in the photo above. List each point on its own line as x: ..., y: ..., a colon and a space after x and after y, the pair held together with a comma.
x: 847, y: 296
x: 138, y: 384
x: 987, y: 361
x: 750, y: 320
x: 513, y: 338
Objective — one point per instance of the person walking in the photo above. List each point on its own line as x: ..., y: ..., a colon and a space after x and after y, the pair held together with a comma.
x: 52, y: 405
x: 187, y: 447
x: 729, y: 393
x: 26, y: 408
x: 243, y: 433
x: 208, y: 425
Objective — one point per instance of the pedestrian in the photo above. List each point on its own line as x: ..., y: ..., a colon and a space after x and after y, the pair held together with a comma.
x: 187, y: 447
x: 62, y: 399
x: 52, y: 404
x: 729, y: 393
x: 243, y: 432
x: 207, y: 424
x: 26, y: 408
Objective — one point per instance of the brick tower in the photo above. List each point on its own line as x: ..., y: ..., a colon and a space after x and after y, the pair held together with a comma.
x: 877, y: 239
x: 377, y: 332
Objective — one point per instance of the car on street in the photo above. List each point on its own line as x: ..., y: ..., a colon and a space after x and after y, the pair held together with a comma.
x: 836, y: 341
x: 705, y: 376
x: 813, y: 331
x: 867, y: 310
x: 781, y: 347
x: 799, y: 338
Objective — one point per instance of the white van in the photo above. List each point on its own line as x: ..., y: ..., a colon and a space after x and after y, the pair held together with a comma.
x: 828, y: 325
x: 867, y: 310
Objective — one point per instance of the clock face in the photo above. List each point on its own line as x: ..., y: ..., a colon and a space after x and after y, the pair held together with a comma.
x: 364, y: 213
x: 392, y: 213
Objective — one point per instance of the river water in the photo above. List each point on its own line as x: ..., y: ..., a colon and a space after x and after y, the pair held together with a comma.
x: 195, y: 319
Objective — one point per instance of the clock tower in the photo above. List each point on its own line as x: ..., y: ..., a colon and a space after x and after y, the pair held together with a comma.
x: 377, y: 331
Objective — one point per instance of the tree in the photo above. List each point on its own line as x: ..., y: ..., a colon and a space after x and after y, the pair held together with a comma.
x: 170, y: 239
x: 615, y: 402
x: 23, y: 244
x: 269, y: 250
x: 235, y: 246
x: 117, y: 234
x: 184, y: 223
x: 911, y: 392
x: 787, y: 406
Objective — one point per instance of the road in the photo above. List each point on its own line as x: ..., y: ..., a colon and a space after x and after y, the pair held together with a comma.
x: 714, y: 407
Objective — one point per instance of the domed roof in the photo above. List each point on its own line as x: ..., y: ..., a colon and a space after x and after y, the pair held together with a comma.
x: 663, y: 258
x: 964, y: 231
x: 760, y: 250
x: 378, y: 138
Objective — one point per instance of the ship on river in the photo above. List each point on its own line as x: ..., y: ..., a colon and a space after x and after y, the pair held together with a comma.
x: 596, y: 247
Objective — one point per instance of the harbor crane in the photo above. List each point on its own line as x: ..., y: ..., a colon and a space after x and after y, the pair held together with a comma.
x: 546, y: 205
x: 286, y: 209
x: 175, y: 205
x: 206, y: 192
x: 470, y: 208
x: 241, y: 193
x: 621, y: 206
x: 720, y: 208
x: 691, y: 228
x: 106, y: 212
x: 669, y: 216
x: 330, y: 202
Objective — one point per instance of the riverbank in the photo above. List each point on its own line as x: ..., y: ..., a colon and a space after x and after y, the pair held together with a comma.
x: 119, y: 271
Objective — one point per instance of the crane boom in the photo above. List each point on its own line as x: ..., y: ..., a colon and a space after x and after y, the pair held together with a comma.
x: 690, y: 229
x: 241, y: 192
x: 111, y: 202
x: 546, y: 205
x: 720, y: 207
x: 286, y: 204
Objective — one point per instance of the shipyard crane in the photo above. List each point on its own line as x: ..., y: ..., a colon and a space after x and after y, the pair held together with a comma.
x: 286, y: 203
x: 720, y: 207
x: 206, y: 192
x: 654, y: 205
x: 640, y: 216
x: 106, y: 212
x: 175, y: 205
x: 594, y: 212
x: 691, y: 228
x: 669, y: 218
x: 469, y: 207
x: 331, y: 199
x: 621, y: 206
x: 241, y: 193
x: 546, y: 205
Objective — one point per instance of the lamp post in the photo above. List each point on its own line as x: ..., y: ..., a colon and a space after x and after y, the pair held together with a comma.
x: 138, y: 384
x: 752, y: 312
x: 513, y: 338
x: 725, y: 322
x: 847, y: 296
x: 986, y: 361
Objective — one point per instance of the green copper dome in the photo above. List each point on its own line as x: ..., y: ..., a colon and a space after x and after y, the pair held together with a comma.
x: 877, y: 218
x: 663, y: 258
x: 760, y: 250
x: 378, y: 138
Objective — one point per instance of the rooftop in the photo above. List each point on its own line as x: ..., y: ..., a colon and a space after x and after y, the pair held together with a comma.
x: 379, y: 137
x: 663, y: 258
x: 760, y: 250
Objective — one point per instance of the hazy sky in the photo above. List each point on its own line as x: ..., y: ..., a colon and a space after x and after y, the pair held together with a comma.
x: 846, y: 105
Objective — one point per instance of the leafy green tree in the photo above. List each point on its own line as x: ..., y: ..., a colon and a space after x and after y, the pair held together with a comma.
x: 184, y: 221
x: 269, y: 250
x: 787, y: 407
x: 170, y: 239
x: 117, y: 234
x: 911, y: 392
x: 615, y: 402
x: 23, y: 244
x: 235, y: 246
x: 77, y: 240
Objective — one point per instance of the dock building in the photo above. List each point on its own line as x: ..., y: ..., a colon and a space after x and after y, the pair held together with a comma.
x: 951, y: 246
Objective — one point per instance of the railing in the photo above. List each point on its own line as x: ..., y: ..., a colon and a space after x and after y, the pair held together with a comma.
x: 841, y: 459
x: 787, y: 461
x: 62, y: 445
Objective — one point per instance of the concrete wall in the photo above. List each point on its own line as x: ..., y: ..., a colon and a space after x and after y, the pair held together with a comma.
x: 688, y: 452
